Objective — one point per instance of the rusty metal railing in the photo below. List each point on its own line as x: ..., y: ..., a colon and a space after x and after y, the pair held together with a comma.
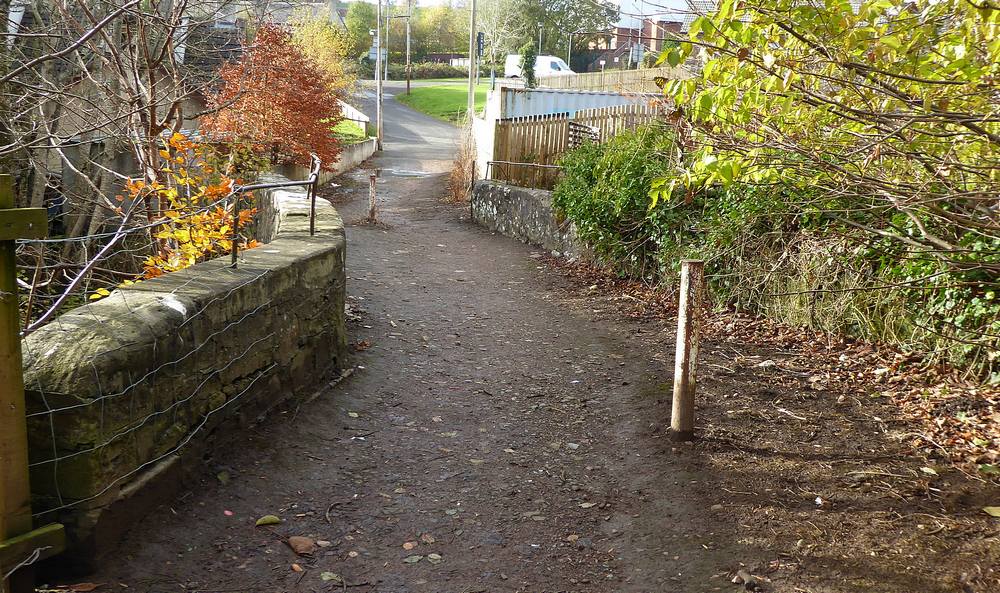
x: 311, y: 184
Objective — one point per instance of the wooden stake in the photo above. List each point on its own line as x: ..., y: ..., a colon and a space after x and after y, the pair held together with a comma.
x: 686, y: 358
x: 15, y: 492
x: 372, y: 213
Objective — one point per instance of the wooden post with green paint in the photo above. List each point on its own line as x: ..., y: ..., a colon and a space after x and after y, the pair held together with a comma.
x: 19, y: 543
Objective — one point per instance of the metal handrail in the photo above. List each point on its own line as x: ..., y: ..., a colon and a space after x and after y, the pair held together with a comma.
x: 311, y: 184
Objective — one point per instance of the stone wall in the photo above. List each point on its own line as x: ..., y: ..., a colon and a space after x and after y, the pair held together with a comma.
x: 526, y: 215
x: 351, y: 156
x: 145, y: 381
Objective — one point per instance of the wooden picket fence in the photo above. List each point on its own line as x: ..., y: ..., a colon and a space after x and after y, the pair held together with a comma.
x: 630, y: 81
x: 526, y: 149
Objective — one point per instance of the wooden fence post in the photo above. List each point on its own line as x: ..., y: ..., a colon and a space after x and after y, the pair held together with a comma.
x: 372, y: 206
x: 686, y: 358
x: 18, y: 543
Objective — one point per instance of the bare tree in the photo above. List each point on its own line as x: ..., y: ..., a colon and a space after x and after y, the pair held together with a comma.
x: 502, y: 27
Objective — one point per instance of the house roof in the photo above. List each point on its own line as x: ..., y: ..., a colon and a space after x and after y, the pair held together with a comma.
x: 696, y: 8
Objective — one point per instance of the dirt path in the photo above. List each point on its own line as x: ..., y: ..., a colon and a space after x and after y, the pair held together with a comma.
x: 503, y: 429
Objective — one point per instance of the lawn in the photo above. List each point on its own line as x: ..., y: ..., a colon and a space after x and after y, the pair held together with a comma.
x: 447, y: 102
x: 451, y: 80
x: 349, y: 132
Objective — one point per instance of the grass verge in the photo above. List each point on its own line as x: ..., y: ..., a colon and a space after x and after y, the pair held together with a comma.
x: 445, y: 102
x: 349, y: 132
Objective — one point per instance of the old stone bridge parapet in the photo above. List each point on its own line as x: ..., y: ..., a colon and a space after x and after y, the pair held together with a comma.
x: 127, y: 393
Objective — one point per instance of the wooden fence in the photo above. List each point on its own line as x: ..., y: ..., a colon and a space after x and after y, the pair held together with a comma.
x: 629, y: 81
x: 525, y: 149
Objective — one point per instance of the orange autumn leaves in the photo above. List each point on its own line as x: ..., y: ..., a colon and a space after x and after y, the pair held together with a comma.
x: 273, y: 105
x: 278, y: 99
x: 193, y: 204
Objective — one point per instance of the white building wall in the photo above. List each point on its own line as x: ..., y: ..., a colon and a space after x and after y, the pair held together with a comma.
x: 522, y: 102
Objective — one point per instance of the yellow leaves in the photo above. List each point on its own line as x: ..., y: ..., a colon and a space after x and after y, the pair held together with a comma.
x: 196, y: 216
x: 180, y: 142
x: 100, y: 293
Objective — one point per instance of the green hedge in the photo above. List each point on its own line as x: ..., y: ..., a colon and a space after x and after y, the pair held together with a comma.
x: 420, y: 70
x: 786, y: 253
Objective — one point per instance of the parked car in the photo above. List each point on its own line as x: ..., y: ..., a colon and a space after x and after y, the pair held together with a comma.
x: 544, y: 66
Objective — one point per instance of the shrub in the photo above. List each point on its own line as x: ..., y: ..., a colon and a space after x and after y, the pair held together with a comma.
x: 461, y: 177
x: 528, y: 57
x: 605, y: 192
x: 780, y: 251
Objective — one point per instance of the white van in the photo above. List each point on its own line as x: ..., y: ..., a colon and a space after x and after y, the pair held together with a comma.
x: 544, y: 66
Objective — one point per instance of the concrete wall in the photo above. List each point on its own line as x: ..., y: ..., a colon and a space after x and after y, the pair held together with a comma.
x: 351, y: 156
x: 526, y: 215
x: 483, y: 139
x: 147, y: 380
x: 517, y: 102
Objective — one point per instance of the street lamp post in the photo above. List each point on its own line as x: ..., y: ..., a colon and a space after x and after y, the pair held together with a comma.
x: 409, y: 13
x: 378, y: 75
x: 539, y: 38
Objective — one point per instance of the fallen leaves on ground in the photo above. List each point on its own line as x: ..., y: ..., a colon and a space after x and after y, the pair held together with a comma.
x: 268, y: 520
x: 332, y: 577
x: 953, y: 417
x: 303, y: 546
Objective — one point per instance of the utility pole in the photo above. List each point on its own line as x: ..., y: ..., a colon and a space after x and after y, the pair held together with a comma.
x: 388, y: 8
x: 539, y: 39
x: 472, y: 59
x: 378, y: 74
x: 409, y: 15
